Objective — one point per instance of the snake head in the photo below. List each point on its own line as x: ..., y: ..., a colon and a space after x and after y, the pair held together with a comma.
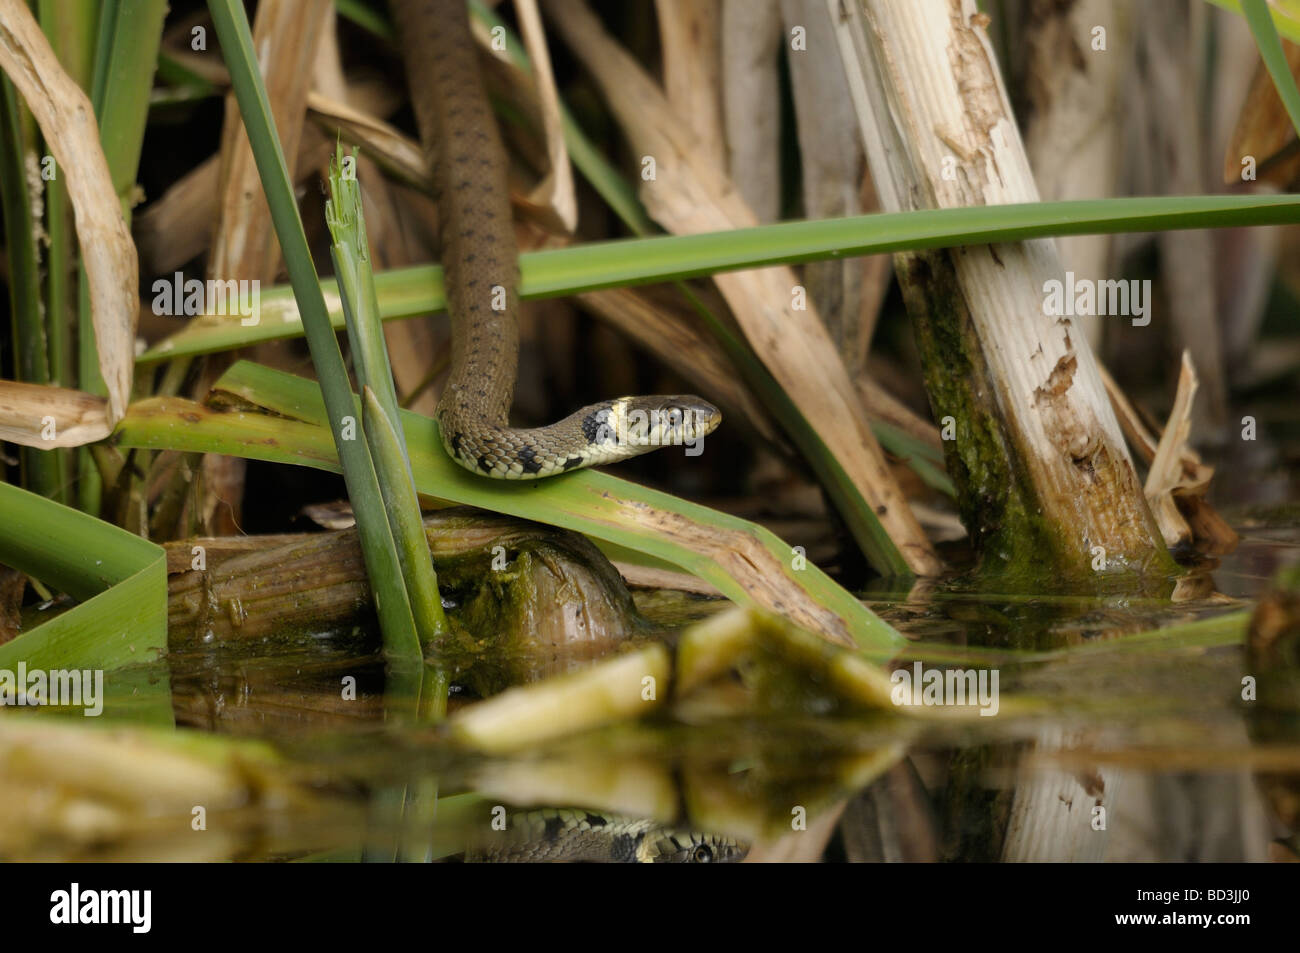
x: 682, y: 847
x: 668, y: 421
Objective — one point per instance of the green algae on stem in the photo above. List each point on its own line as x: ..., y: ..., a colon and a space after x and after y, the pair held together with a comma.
x: 1005, y: 510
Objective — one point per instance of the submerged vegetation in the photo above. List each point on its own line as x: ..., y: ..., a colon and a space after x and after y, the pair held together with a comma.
x: 970, y: 543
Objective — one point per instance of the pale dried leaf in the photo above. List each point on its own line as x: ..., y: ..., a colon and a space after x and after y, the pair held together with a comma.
x: 1264, y: 129
x: 751, y: 40
x: 397, y: 153
x: 689, y: 33
x: 1167, y: 473
x: 67, y: 122
x: 648, y: 577
x: 553, y: 199
x: 1072, y: 133
x: 26, y: 409
x: 285, y: 35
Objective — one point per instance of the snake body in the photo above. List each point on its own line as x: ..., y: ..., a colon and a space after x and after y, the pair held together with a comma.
x: 481, y: 273
x: 586, y: 837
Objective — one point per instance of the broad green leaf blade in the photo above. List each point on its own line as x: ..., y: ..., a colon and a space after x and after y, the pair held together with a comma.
x: 120, y: 579
x: 411, y: 292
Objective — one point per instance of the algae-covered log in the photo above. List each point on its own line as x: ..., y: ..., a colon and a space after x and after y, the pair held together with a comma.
x: 1047, y: 488
x: 517, y: 590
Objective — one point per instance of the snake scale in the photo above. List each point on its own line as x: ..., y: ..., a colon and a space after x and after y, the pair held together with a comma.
x: 481, y: 272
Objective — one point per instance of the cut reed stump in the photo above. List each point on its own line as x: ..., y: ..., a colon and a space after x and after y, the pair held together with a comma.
x: 519, y: 595
x: 1046, y: 486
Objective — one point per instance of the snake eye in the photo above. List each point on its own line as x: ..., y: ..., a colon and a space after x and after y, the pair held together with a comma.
x: 702, y: 854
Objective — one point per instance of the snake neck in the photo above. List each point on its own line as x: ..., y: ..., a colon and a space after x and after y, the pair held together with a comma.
x: 469, y: 169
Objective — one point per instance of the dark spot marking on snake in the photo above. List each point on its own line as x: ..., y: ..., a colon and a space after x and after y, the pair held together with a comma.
x: 483, y: 464
x: 592, y: 425
x: 528, y: 457
x: 455, y: 442
x: 623, y: 849
x: 554, y: 827
x: 595, y: 820
x: 572, y: 462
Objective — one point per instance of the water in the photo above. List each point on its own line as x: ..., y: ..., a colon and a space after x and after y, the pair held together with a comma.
x: 1110, y: 742
x: 1116, y: 728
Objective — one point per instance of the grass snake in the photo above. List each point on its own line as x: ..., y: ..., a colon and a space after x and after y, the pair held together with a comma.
x: 480, y: 266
